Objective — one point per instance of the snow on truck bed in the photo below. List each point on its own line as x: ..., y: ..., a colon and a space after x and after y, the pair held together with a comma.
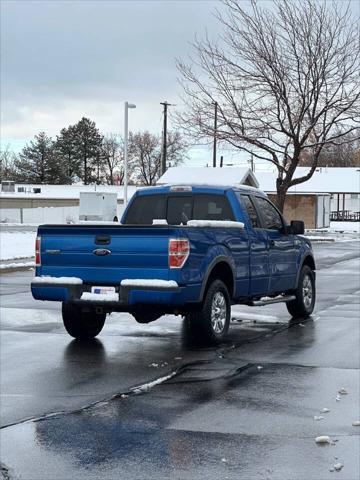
x: 215, y: 223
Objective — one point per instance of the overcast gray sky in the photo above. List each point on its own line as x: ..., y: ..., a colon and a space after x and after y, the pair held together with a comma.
x: 64, y: 59
x: 61, y: 60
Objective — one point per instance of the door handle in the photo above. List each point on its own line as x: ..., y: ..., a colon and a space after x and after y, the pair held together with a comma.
x: 102, y: 239
x: 271, y: 243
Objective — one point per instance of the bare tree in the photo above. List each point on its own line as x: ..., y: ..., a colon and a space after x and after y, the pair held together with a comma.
x: 345, y: 154
x: 7, y: 161
x: 285, y: 78
x: 145, y: 154
x: 112, y: 152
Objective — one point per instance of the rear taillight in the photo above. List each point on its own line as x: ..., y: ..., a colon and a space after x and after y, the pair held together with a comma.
x: 38, y: 251
x: 179, y: 250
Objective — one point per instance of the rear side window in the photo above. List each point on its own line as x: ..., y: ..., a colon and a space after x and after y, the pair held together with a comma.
x: 144, y: 209
x: 271, y: 218
x: 251, y: 211
x: 212, y: 207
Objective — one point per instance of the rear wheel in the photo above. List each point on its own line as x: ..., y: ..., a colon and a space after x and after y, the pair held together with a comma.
x: 82, y: 324
x: 210, y: 324
x: 305, y: 294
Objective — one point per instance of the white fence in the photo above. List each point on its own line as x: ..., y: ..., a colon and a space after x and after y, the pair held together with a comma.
x: 40, y: 215
x: 44, y: 214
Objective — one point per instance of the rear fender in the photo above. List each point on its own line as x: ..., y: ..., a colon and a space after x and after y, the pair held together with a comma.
x: 216, y: 256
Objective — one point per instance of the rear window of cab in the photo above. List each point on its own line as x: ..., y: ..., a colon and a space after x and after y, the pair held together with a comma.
x: 177, y: 209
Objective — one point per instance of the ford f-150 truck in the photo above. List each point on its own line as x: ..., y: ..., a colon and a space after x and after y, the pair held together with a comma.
x: 184, y: 250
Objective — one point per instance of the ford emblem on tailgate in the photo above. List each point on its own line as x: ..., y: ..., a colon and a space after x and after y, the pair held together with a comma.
x: 101, y: 252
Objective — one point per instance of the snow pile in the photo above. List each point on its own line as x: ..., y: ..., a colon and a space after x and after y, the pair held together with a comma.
x: 8, y: 266
x: 148, y: 282
x: 58, y: 280
x: 315, y: 238
x: 323, y: 439
x: 244, y: 317
x: 147, y: 386
x: 100, y: 297
x: 215, y: 223
x: 16, y: 245
x: 352, y: 227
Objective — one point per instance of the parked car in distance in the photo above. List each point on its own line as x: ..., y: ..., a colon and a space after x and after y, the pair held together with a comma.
x: 184, y: 250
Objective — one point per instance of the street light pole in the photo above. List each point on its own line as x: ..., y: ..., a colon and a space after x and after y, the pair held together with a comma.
x: 126, y: 136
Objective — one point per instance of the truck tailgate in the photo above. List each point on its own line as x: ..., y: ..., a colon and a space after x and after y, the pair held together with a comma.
x: 105, y: 254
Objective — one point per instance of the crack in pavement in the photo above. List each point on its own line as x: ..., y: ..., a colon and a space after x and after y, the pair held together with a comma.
x: 141, y: 389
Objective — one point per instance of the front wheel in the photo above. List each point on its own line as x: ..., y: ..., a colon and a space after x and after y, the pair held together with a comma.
x: 210, y: 323
x: 305, y: 294
x: 82, y: 324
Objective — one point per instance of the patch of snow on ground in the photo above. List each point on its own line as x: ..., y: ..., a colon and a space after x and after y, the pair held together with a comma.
x: 255, y: 318
x: 323, y: 439
x: 8, y: 266
x: 353, y: 227
x: 16, y: 245
x: 148, y: 386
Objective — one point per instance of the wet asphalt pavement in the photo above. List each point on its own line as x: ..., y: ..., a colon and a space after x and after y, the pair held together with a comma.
x: 243, y: 410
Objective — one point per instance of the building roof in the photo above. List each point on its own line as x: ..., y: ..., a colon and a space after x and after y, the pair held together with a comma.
x: 324, y: 180
x: 208, y: 176
x: 65, y: 191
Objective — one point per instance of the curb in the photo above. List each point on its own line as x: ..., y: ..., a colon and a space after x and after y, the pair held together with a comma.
x: 321, y: 240
x: 16, y: 266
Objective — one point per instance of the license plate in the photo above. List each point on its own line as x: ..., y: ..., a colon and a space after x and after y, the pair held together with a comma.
x: 103, y: 290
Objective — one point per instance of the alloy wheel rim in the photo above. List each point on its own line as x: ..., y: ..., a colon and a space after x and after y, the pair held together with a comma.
x: 218, y: 312
x: 307, y: 291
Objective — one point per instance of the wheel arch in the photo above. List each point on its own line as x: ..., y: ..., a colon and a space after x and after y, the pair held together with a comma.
x: 220, y: 268
x: 310, y: 262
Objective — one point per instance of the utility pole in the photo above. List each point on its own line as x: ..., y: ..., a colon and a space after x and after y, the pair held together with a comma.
x: 164, y: 143
x: 215, y: 134
x: 252, y: 162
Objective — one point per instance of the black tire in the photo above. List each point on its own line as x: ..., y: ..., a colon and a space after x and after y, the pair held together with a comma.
x: 80, y: 324
x: 205, y: 326
x: 305, y: 294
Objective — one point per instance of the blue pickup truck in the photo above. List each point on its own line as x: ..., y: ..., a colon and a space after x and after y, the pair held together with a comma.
x: 183, y: 250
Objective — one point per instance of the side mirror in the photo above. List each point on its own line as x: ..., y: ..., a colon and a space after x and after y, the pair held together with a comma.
x: 296, y: 227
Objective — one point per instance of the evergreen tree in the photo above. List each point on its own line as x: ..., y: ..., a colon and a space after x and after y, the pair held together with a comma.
x: 87, y: 143
x: 66, y: 152
x: 37, y: 162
